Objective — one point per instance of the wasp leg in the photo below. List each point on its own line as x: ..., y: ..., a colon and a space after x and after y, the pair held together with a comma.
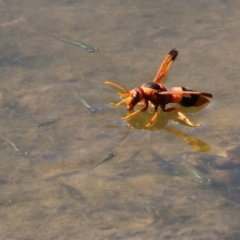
x: 131, y: 115
x: 166, y: 64
x: 118, y: 104
x: 123, y: 95
x: 117, y: 86
x: 182, y: 117
x: 137, y: 112
x: 153, y: 120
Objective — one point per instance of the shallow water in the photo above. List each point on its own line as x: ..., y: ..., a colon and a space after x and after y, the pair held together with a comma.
x: 48, y: 189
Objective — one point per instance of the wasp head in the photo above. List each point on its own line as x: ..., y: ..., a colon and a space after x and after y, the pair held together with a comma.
x: 136, y: 95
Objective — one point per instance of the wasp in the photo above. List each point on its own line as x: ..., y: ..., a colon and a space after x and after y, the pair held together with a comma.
x: 155, y: 94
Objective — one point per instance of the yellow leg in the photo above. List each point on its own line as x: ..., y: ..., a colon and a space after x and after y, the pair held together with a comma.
x: 153, y: 120
x: 131, y: 115
x: 117, y: 86
x: 118, y: 104
x: 123, y: 95
x: 182, y: 117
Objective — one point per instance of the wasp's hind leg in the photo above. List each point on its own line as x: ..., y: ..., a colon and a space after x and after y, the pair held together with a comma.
x: 181, y: 116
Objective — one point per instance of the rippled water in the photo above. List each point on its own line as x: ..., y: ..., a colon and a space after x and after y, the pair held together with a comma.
x: 48, y: 189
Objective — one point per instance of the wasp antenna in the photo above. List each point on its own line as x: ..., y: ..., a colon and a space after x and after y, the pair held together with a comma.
x: 117, y: 86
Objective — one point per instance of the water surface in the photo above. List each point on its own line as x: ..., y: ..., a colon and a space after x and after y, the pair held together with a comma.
x: 48, y: 189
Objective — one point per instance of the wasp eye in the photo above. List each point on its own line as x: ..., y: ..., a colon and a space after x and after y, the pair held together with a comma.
x: 135, y: 98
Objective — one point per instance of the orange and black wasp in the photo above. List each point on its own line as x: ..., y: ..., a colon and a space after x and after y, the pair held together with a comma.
x: 155, y: 94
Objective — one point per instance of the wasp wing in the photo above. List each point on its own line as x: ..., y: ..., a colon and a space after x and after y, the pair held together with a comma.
x: 209, y: 95
x: 166, y: 64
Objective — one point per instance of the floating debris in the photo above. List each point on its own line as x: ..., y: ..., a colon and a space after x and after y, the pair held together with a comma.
x: 48, y: 121
x: 79, y: 44
x: 108, y: 157
x: 90, y: 108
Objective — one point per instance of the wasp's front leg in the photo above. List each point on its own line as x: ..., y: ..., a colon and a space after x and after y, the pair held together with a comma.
x: 131, y: 115
x: 119, y: 103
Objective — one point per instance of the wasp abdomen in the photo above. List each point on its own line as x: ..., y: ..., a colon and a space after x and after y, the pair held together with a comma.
x: 193, y: 99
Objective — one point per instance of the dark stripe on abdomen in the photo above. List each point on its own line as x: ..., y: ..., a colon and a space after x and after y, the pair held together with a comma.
x: 189, y: 101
